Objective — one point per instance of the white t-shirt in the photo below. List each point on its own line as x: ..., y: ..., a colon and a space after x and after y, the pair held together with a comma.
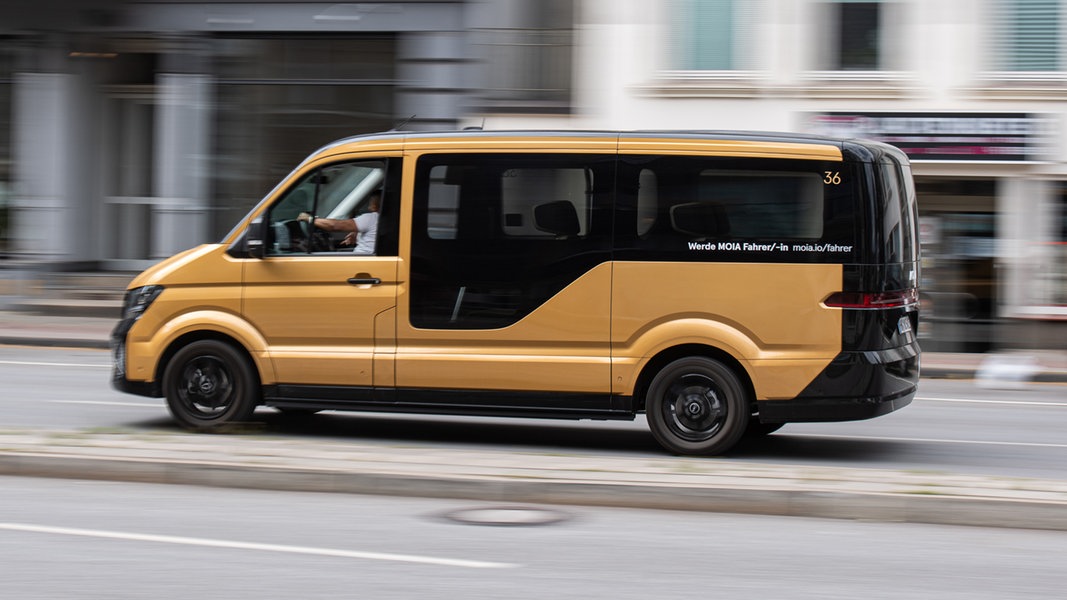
x: 366, y: 232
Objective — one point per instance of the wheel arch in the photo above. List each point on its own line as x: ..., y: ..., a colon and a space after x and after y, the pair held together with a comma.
x: 655, y: 364
x: 204, y: 334
x: 152, y: 345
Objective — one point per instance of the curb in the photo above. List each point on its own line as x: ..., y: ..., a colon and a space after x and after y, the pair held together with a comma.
x: 767, y: 491
x: 972, y: 372
x: 48, y: 342
x: 110, y: 309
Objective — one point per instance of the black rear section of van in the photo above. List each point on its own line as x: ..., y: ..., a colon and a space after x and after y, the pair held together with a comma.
x: 877, y: 370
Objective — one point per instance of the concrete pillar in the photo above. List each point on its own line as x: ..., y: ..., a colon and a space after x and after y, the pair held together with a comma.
x: 180, y: 215
x: 56, y: 154
x: 1023, y: 219
x: 40, y: 212
x: 433, y: 67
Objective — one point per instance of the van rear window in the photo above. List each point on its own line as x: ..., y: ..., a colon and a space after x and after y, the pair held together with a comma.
x: 898, y: 213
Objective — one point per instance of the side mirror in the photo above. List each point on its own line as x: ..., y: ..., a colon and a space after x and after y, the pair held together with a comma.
x: 254, y: 239
x: 250, y: 244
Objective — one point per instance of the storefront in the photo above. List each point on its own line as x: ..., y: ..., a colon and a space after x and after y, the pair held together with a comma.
x: 143, y: 129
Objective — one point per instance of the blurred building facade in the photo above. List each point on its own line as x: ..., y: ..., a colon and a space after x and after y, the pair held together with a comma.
x: 130, y: 130
x: 134, y: 129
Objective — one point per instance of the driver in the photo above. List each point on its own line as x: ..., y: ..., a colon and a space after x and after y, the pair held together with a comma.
x: 361, y: 230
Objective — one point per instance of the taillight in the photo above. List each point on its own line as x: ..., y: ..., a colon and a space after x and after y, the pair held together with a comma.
x: 873, y: 300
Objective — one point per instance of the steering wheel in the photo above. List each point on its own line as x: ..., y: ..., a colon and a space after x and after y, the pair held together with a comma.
x: 320, y: 240
x: 298, y: 239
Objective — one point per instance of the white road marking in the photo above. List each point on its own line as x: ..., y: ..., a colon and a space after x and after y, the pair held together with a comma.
x: 977, y: 401
x: 26, y: 363
x: 828, y: 436
x: 109, y: 403
x: 188, y: 541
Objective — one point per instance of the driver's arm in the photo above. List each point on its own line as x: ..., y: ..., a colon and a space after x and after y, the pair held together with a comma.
x: 331, y: 225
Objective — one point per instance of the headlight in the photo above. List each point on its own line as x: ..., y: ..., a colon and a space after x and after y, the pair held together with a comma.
x: 138, y: 300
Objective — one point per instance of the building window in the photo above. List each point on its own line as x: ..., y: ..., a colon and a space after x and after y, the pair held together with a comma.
x: 711, y: 35
x: 1028, y: 35
x: 853, y: 36
x: 856, y: 34
x: 527, y: 49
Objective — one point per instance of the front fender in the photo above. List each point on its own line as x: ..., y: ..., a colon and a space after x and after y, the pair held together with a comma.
x: 146, y: 348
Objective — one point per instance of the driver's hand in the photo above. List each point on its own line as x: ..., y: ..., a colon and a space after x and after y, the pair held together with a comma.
x: 350, y: 239
x: 303, y: 217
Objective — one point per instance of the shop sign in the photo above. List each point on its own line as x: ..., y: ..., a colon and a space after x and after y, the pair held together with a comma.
x: 986, y: 137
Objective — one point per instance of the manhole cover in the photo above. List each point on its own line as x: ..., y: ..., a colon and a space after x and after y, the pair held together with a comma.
x: 507, y: 516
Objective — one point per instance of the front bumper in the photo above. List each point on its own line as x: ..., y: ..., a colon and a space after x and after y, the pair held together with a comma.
x: 119, y: 380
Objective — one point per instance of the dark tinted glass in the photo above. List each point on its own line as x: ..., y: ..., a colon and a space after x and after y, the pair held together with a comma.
x: 898, y: 213
x: 496, y: 235
x: 700, y: 208
x: 858, y: 35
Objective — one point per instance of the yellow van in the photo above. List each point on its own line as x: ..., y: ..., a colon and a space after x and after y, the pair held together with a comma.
x: 720, y: 283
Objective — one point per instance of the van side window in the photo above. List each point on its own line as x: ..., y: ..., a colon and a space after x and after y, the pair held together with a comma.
x: 495, y: 235
x: 701, y: 208
x: 647, y: 201
x: 533, y: 202
x: 341, y: 191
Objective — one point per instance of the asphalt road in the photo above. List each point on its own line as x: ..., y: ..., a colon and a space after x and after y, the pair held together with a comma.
x: 952, y: 427
x: 106, y: 540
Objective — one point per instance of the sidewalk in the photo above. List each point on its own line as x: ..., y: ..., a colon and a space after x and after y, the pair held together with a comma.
x: 253, y: 461
x: 249, y: 459
x: 27, y: 329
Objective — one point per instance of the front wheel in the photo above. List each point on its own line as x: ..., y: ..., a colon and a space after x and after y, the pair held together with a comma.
x: 697, y: 405
x: 209, y: 384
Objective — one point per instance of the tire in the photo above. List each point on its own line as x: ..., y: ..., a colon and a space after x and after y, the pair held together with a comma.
x: 209, y: 384
x: 697, y: 406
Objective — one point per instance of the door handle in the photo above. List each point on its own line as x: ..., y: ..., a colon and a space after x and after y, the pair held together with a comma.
x: 362, y: 279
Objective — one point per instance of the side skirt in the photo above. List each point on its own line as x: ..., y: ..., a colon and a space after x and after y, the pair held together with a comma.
x: 485, y: 403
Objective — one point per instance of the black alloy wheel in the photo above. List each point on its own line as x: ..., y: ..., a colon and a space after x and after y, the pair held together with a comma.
x: 209, y: 384
x: 698, y: 406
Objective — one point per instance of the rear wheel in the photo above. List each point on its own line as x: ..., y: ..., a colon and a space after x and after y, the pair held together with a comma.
x: 209, y: 384
x: 697, y: 405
